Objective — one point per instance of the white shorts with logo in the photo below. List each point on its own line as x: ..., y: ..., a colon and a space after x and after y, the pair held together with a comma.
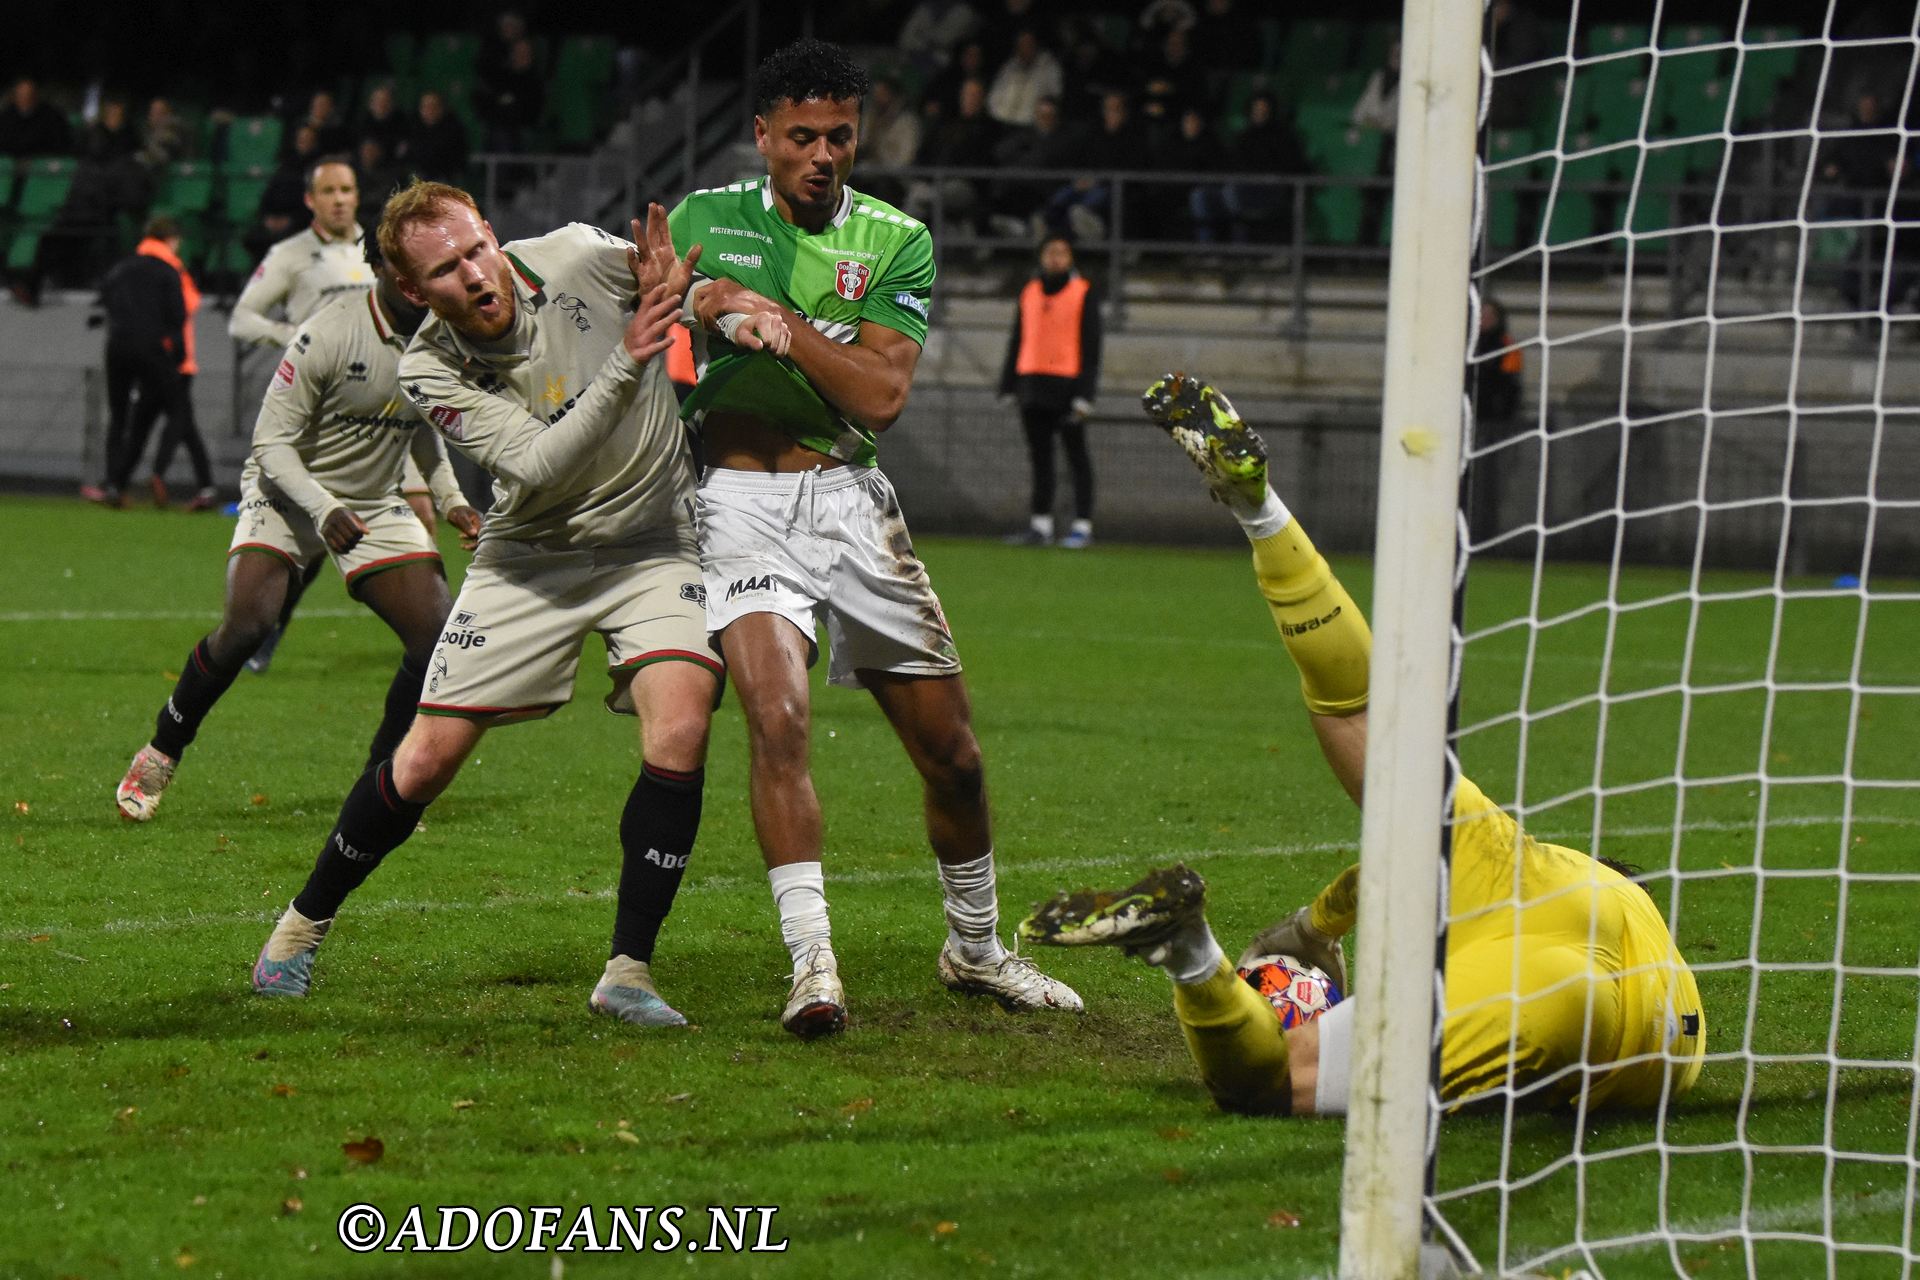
x: 512, y: 643
x: 827, y: 545
x: 275, y: 526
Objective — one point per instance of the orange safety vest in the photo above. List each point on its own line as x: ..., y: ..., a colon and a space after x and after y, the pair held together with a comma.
x: 1050, y: 329
x: 680, y: 358
x: 189, y: 293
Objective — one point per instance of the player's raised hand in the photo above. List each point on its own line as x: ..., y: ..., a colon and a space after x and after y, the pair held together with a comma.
x: 651, y: 330
x: 757, y: 331
x: 342, y: 530
x: 727, y: 297
x: 654, y: 262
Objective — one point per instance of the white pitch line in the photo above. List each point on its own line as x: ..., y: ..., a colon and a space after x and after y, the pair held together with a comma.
x: 724, y: 882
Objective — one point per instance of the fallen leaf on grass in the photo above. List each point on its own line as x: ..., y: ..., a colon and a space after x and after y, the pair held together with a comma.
x: 126, y: 1113
x: 679, y: 1097
x: 21, y: 806
x: 291, y: 1205
x: 41, y: 937
x: 1174, y: 1133
x: 1174, y: 1177
x: 177, y: 1070
x: 941, y: 1230
x: 283, y: 1091
x: 184, y: 1258
x: 259, y: 797
x: 299, y: 1173
x: 365, y: 1151
x: 627, y: 1136
x: 859, y: 1106
x: 1283, y: 1218
x: 462, y: 1104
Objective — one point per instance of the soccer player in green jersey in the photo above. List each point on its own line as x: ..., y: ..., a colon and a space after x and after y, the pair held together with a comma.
x: 798, y: 525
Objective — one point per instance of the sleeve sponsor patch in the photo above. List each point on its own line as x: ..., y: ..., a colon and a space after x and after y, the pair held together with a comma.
x: 283, y: 376
x: 449, y: 419
x: 911, y: 303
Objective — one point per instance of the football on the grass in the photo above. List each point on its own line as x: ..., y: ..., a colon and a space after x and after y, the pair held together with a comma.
x: 1299, y: 992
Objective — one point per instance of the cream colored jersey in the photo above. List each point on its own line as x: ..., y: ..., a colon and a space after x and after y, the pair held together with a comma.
x: 297, y: 277
x: 585, y: 446
x: 333, y: 427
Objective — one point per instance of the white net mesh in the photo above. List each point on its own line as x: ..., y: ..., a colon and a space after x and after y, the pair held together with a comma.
x: 1690, y: 634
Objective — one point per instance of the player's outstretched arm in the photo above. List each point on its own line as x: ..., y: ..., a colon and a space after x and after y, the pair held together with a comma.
x: 268, y: 289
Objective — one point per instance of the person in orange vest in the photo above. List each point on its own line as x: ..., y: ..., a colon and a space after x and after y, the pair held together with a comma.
x: 1052, y: 372
x: 146, y: 302
x: 181, y: 427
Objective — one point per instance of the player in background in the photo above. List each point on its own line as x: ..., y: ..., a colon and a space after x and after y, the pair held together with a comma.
x: 323, y: 480
x: 298, y: 276
x: 798, y: 525
x: 537, y: 364
x: 1561, y: 976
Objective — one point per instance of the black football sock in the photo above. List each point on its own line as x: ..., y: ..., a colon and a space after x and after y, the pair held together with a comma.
x: 373, y: 823
x: 202, y: 681
x: 656, y: 836
x: 403, y: 695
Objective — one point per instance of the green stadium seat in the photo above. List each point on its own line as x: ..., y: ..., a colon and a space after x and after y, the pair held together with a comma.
x: 41, y: 188
x: 244, y: 187
x: 1762, y: 71
x: 253, y: 140
x: 1619, y: 109
x: 185, y: 192
x: 1322, y: 126
x: 1312, y: 46
x: 1554, y: 102
x: 1339, y: 88
x: 1617, y: 36
x: 1572, y: 209
x: 1686, y: 35
x: 23, y: 248
x: 1336, y: 211
x: 578, y: 99
x: 447, y: 57
x: 1695, y: 109
x: 1503, y: 227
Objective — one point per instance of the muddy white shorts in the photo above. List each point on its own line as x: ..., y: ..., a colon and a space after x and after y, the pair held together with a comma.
x: 823, y: 546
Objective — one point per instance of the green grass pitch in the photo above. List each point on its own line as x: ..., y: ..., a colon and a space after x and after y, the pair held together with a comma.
x: 1134, y: 705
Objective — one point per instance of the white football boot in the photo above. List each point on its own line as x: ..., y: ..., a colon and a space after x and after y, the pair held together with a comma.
x: 626, y: 991
x: 817, y: 1005
x: 139, y: 792
x: 1015, y: 981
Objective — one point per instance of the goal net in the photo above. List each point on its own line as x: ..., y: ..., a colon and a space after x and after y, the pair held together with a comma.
x: 1687, y: 622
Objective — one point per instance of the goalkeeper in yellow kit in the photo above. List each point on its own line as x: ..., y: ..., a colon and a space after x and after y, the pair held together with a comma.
x: 1562, y: 978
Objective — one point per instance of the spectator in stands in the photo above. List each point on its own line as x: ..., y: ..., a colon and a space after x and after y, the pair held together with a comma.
x: 30, y: 127
x: 1378, y: 106
x: 889, y: 138
x: 1080, y: 208
x: 323, y: 117
x: 1174, y: 82
x: 942, y: 96
x: 110, y: 136
x: 965, y: 140
x: 1048, y: 144
x: 1195, y: 149
x: 1092, y: 72
x: 437, y: 144
x: 1515, y: 39
x: 379, y: 176
x: 934, y: 29
x: 1052, y: 370
x: 1256, y: 210
x: 496, y: 46
x: 1030, y: 74
x: 164, y: 139
x: 510, y: 100
x: 382, y: 121
x: 283, y: 203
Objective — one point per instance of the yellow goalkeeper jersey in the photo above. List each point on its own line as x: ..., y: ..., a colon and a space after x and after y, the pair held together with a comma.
x: 1559, y: 970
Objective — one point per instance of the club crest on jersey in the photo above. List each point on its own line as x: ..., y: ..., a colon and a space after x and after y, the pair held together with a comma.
x: 449, y: 420
x: 850, y: 279
x: 283, y: 376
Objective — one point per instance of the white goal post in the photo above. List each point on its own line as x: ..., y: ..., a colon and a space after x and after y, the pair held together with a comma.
x: 1663, y: 606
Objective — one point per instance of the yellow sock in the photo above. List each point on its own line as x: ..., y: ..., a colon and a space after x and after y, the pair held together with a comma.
x: 1237, y: 1043
x: 1324, y: 631
x: 1334, y: 910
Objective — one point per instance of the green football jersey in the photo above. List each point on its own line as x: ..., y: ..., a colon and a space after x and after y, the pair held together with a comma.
x: 869, y: 263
